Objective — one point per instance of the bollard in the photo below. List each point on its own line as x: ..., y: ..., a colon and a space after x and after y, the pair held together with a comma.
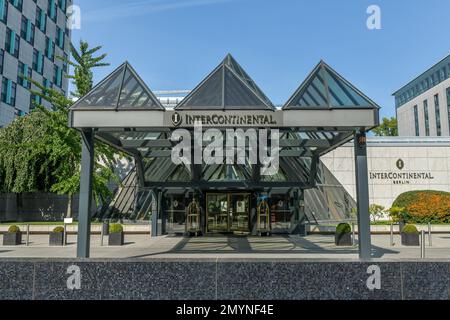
x: 353, y: 234
x: 101, y: 237
x: 430, y: 236
x: 28, y: 235
x: 422, y: 244
x: 65, y: 235
x: 392, y: 235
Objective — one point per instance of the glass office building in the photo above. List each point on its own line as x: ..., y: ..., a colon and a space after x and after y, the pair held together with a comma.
x: 33, y: 33
x: 325, y: 112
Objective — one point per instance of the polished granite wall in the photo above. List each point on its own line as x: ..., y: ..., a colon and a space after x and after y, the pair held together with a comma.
x: 220, y: 279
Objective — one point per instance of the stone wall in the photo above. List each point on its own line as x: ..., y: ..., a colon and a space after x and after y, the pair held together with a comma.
x: 396, y: 165
x: 35, y: 207
x: 222, y: 279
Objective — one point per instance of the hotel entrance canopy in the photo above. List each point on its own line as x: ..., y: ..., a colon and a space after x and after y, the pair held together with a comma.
x: 325, y: 112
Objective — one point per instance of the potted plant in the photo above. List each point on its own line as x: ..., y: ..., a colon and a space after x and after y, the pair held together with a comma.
x: 57, y: 237
x: 343, y: 236
x: 13, y: 237
x: 410, y: 235
x: 116, y: 237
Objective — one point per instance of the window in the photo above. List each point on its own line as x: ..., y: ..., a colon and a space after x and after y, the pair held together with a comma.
x: 47, y: 84
x: 8, y: 92
x: 427, y: 118
x: 41, y: 20
x: 27, y: 30
x: 35, y: 100
x: 63, y: 5
x: 57, y: 77
x: 60, y: 37
x: 38, y: 61
x: 23, y: 73
x: 66, y: 58
x: 4, y: 11
x: 438, y: 115
x: 416, y: 120
x: 52, y: 10
x: 2, y: 56
x: 49, y: 49
x: 12, y: 42
x: 17, y: 4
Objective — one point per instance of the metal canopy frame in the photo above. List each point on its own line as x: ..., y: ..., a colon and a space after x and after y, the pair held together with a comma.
x: 310, y: 127
x: 227, y: 87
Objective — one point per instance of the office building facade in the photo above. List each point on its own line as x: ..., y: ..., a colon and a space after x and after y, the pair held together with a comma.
x: 33, y: 34
x: 423, y: 105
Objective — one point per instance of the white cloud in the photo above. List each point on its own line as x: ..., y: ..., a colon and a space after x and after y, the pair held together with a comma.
x: 141, y: 8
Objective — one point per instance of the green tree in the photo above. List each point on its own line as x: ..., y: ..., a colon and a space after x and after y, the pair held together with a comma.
x: 376, y: 212
x: 388, y: 128
x: 84, y: 62
x: 39, y: 152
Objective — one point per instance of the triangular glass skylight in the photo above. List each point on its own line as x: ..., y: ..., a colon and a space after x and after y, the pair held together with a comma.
x: 325, y: 88
x: 227, y: 87
x: 122, y: 89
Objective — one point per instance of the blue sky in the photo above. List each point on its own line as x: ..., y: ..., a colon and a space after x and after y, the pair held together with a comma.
x: 174, y: 44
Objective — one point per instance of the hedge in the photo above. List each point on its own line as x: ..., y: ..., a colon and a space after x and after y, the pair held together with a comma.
x: 425, y: 206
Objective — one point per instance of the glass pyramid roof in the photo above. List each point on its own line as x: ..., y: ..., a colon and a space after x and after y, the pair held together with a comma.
x: 325, y: 88
x: 122, y: 89
x: 227, y: 87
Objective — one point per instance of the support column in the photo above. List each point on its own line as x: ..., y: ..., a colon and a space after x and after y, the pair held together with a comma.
x: 362, y: 194
x: 84, y: 211
x: 154, y: 214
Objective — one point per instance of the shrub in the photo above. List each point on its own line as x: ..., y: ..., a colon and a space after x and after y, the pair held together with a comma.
x: 425, y: 206
x: 13, y: 229
x: 115, y: 228
x: 343, y: 228
x: 58, y: 230
x: 410, y: 228
x: 397, y: 214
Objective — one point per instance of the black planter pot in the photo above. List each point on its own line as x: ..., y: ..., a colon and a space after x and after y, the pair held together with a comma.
x: 343, y: 239
x: 12, y: 239
x: 401, y: 225
x: 410, y: 239
x: 116, y: 239
x: 56, y: 239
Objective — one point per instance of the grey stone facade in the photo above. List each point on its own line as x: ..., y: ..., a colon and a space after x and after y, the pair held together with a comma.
x: 222, y: 279
x: 21, y: 106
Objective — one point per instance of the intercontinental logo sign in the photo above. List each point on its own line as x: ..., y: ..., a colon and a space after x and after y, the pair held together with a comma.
x: 399, y: 176
x: 236, y: 118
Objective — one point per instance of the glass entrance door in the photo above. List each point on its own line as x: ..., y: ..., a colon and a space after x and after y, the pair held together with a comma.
x: 240, y: 211
x: 228, y: 212
x: 217, y: 212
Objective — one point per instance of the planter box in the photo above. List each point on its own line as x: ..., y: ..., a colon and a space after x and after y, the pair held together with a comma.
x: 116, y: 239
x: 56, y: 239
x: 410, y: 239
x: 343, y: 239
x: 12, y: 239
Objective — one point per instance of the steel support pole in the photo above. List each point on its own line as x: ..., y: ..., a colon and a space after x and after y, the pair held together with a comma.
x: 84, y: 211
x: 362, y: 194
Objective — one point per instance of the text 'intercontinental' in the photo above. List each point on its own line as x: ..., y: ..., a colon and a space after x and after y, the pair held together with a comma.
x: 232, y: 120
x: 401, y: 177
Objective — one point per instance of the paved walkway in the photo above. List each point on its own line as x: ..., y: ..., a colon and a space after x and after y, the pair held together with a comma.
x: 282, y: 247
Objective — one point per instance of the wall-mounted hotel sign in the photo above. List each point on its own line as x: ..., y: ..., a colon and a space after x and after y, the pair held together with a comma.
x: 399, y: 176
x: 238, y: 118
